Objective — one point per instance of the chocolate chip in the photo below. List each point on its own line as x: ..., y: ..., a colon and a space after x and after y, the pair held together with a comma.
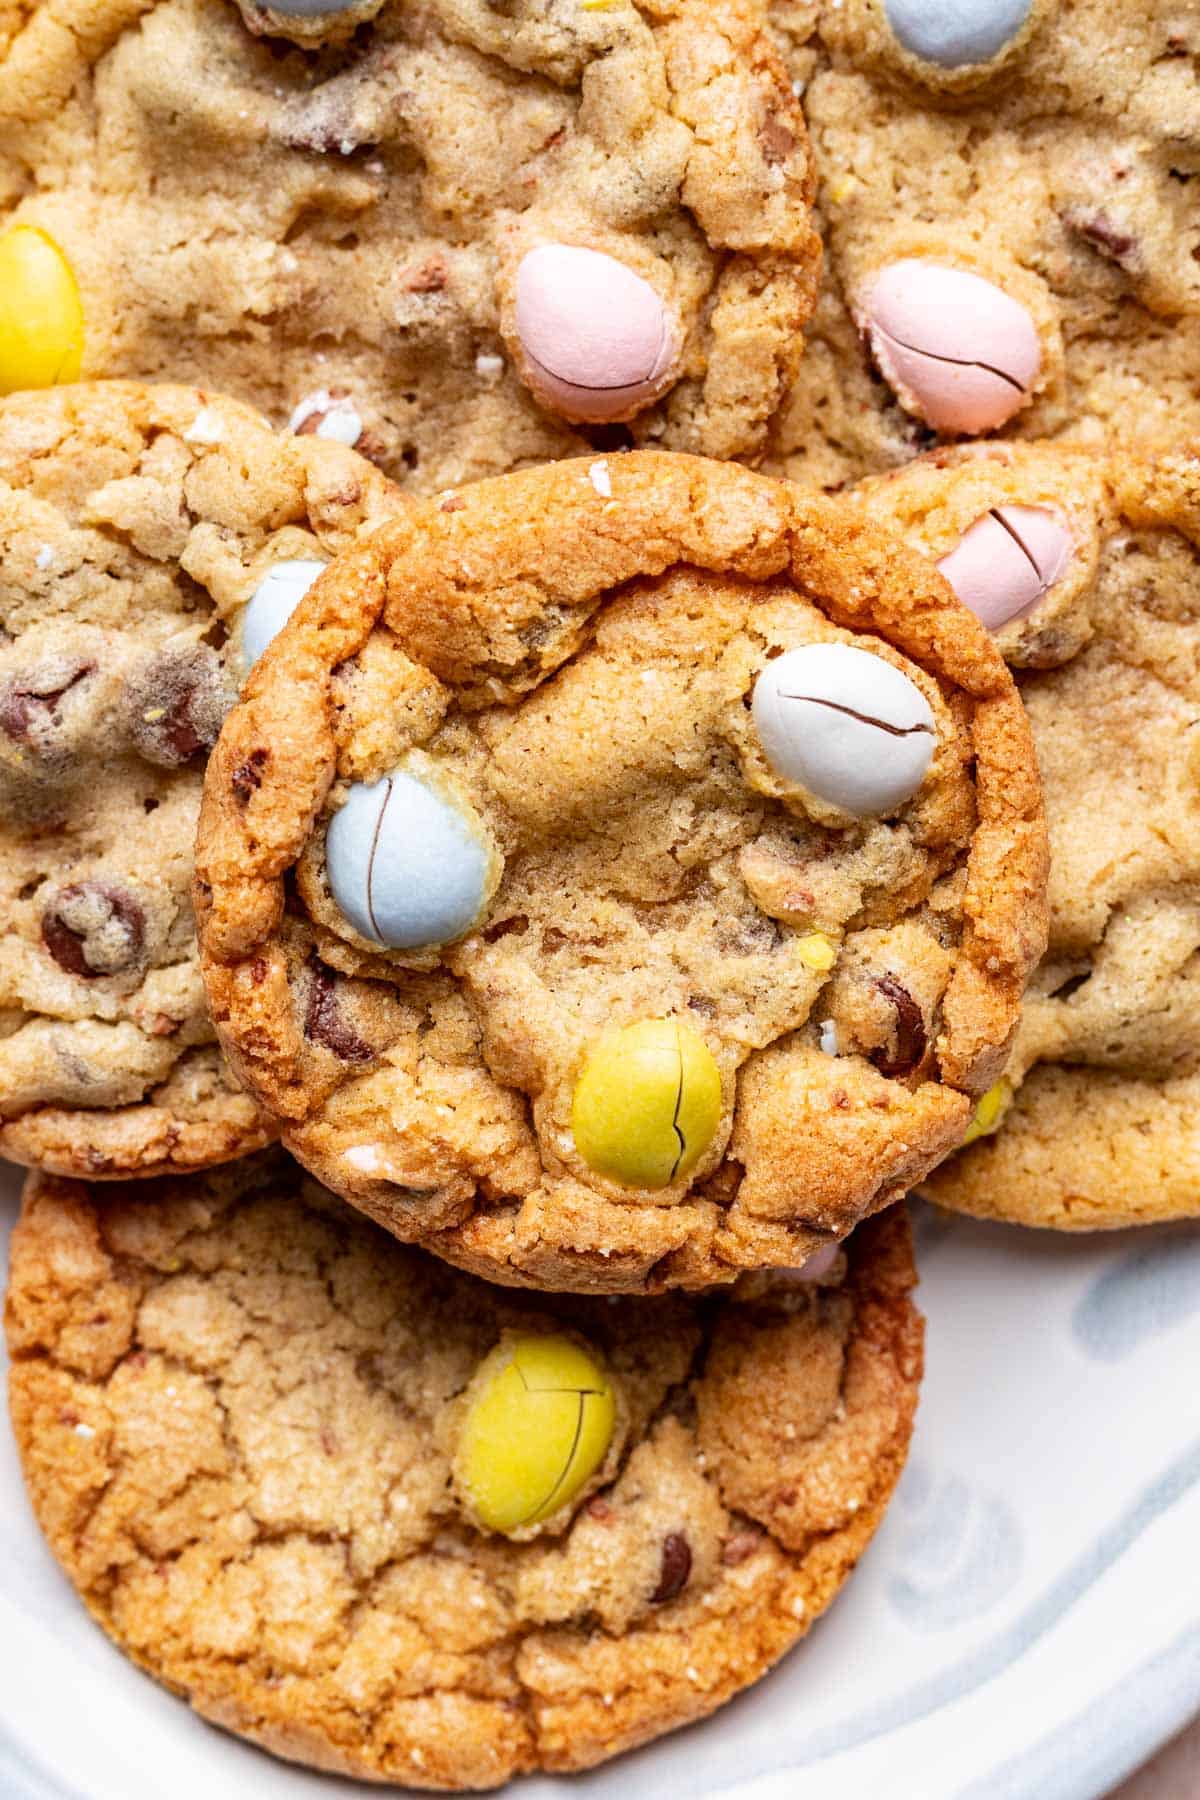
x: 675, y: 1568
x: 31, y: 704
x: 740, y: 1547
x: 247, y: 777
x: 608, y: 439
x: 909, y: 1030
x: 176, y: 704
x: 323, y: 1021
x: 776, y: 139
x: 94, y: 928
x: 426, y: 277
x: 514, y: 926
x: 1098, y: 230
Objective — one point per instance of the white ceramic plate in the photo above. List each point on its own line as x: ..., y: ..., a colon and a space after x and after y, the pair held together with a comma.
x: 1026, y: 1625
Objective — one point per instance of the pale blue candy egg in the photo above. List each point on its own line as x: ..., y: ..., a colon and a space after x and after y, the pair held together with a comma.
x: 955, y: 33
x: 272, y: 604
x: 407, y: 866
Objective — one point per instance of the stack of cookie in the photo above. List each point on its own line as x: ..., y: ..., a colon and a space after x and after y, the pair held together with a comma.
x: 617, y: 876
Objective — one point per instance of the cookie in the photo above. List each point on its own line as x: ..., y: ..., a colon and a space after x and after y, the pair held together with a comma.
x: 1008, y: 200
x: 256, y: 1431
x: 623, y: 874
x: 146, y: 535
x: 460, y: 236
x: 1088, y: 567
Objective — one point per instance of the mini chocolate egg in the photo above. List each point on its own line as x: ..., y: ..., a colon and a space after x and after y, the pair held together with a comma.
x: 846, y: 725
x: 814, y: 1268
x: 1008, y: 559
x: 539, y: 1421
x: 956, y: 33
x: 272, y: 604
x: 959, y: 352
x: 599, y: 342
x: 41, y: 314
x: 408, y: 866
x: 648, y: 1103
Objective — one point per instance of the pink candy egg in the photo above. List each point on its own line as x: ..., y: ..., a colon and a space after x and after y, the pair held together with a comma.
x: 816, y: 1268
x: 960, y: 352
x: 1003, y: 565
x: 599, y: 343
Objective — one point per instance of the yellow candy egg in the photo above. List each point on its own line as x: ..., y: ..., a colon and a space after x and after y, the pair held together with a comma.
x: 989, y: 1112
x: 538, y: 1424
x: 648, y: 1103
x: 41, y: 315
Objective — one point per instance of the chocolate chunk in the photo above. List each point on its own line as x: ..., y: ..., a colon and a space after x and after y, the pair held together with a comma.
x: 910, y: 1031
x: 776, y: 139
x: 176, y: 704
x: 94, y: 928
x: 740, y: 1547
x: 247, y: 777
x: 429, y: 276
x: 514, y: 926
x: 31, y: 704
x: 1098, y: 230
x: 323, y: 1021
x: 675, y: 1569
x: 354, y: 110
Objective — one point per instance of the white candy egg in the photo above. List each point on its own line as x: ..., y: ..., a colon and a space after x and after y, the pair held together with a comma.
x: 846, y: 725
x: 272, y: 604
x: 408, y: 866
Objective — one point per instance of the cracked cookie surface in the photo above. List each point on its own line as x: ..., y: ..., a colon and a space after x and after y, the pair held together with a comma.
x: 1064, y: 169
x: 333, y: 230
x: 135, y: 523
x: 696, y: 1018
x: 1106, y: 1063
x: 235, y: 1402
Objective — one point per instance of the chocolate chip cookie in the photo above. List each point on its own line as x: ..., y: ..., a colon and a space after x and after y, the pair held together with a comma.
x: 459, y: 236
x: 1008, y: 199
x: 148, y: 537
x: 263, y: 1439
x: 623, y: 874
x: 1087, y: 566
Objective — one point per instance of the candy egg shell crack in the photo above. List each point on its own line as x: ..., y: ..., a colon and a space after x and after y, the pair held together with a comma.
x: 403, y: 210
x: 579, y: 658
x: 134, y: 525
